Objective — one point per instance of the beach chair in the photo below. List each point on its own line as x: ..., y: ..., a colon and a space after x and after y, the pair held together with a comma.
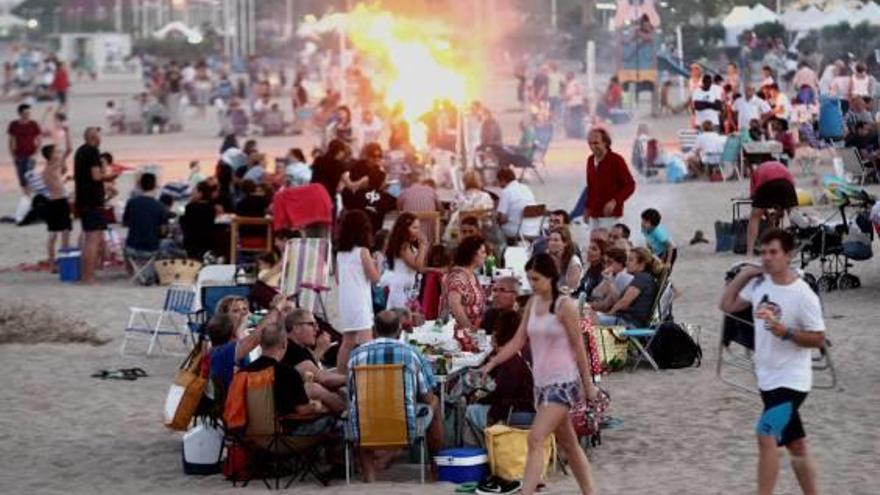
x: 430, y: 226
x: 305, y: 274
x: 687, y: 140
x: 531, y: 213
x: 738, y: 328
x: 381, y: 422
x: 249, y: 235
x: 140, y: 266
x: 271, y: 451
x: 211, y: 295
x: 854, y: 165
x: 641, y: 338
x: 173, y: 319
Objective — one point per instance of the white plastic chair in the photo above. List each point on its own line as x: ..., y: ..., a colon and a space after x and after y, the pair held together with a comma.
x: 213, y: 275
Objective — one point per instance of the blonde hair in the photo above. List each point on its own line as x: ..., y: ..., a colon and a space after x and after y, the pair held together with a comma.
x: 471, y: 180
x: 653, y: 265
x: 225, y: 304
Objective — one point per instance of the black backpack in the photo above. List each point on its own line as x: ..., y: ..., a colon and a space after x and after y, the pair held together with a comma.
x: 673, y: 348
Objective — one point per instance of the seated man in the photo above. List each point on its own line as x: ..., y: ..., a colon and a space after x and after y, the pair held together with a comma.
x: 858, y: 112
x: 557, y: 219
x: 513, y: 393
x: 283, y: 386
x: 321, y: 385
x: 865, y: 140
x: 146, y: 219
x: 421, y: 403
x: 618, y: 236
x: 273, y: 121
x: 504, y: 293
x: 708, y: 149
x: 514, y: 198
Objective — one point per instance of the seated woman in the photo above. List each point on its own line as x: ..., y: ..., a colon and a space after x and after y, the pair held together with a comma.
x: 513, y: 385
x: 231, y: 347
x: 615, y: 280
x: 472, y: 198
x: 465, y: 298
x: 562, y: 249
x: 595, y: 265
x: 634, y: 308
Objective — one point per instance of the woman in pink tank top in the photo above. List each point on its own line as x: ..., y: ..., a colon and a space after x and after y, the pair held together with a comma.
x: 560, y: 370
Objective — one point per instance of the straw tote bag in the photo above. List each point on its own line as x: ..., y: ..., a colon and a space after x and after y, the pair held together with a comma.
x: 187, y: 389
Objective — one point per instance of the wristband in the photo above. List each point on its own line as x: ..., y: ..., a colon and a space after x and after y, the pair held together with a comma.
x: 789, y: 334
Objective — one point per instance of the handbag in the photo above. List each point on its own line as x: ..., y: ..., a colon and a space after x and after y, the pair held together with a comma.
x: 508, y: 448
x: 186, y: 391
x: 586, y: 415
x: 612, y: 349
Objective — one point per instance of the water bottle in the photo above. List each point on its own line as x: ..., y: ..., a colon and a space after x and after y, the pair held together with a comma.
x: 490, y: 265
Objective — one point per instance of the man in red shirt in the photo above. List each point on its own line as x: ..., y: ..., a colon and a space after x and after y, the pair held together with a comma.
x: 24, y: 140
x: 609, y: 182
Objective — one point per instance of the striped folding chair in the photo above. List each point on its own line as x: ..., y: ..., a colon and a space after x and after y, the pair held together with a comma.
x: 172, y: 319
x: 306, y: 272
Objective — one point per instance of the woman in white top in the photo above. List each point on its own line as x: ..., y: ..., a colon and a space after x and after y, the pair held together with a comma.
x: 406, y: 253
x: 560, y: 369
x: 862, y: 83
x: 472, y: 198
x: 562, y: 249
x: 355, y: 270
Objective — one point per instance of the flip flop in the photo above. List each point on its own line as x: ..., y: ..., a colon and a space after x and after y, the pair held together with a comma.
x: 134, y: 372
x: 113, y: 375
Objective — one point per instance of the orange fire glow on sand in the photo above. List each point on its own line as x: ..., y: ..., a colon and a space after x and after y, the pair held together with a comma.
x: 417, y: 65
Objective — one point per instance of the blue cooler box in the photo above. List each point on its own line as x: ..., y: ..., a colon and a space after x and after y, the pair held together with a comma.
x: 463, y: 465
x: 68, y: 265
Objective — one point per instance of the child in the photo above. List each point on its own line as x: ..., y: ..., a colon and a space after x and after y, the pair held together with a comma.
x: 110, y: 190
x: 195, y: 175
x: 656, y: 237
x: 57, y: 208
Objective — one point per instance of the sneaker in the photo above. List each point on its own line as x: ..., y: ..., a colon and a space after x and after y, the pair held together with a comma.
x: 495, y: 486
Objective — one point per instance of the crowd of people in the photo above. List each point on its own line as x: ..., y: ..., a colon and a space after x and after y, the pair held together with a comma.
x: 403, y: 254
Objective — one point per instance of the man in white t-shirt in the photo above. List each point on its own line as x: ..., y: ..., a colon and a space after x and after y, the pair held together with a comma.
x: 788, y: 325
x: 706, y: 102
x: 708, y: 148
x: 515, y: 196
x: 749, y: 107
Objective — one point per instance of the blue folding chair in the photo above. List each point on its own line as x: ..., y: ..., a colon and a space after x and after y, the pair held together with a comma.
x: 173, y: 319
x: 212, y: 294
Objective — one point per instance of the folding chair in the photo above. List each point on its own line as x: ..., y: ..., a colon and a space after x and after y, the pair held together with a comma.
x: 687, y: 140
x: 306, y: 272
x: 249, y: 243
x: 533, y: 213
x: 854, y: 166
x: 380, y: 421
x: 172, y: 319
x: 272, y: 451
x: 661, y: 311
x: 211, y: 295
x: 430, y: 225
x: 140, y: 265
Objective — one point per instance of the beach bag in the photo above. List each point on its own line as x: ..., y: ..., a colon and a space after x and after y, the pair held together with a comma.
x: 186, y: 392
x: 723, y: 237
x: 177, y: 271
x: 202, y: 445
x: 508, y: 448
x: 672, y: 347
x: 612, y: 348
x: 586, y: 416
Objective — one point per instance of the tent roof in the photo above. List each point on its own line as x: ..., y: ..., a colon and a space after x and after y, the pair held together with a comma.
x: 178, y: 26
x: 9, y: 20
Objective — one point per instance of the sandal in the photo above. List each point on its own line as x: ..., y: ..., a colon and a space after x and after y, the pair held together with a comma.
x: 134, y: 372
x: 113, y: 375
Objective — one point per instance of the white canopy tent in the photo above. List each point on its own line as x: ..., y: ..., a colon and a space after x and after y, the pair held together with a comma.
x: 742, y: 18
x: 870, y: 12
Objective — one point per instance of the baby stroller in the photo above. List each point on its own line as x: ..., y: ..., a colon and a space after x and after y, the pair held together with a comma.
x: 739, y: 329
x: 836, y: 245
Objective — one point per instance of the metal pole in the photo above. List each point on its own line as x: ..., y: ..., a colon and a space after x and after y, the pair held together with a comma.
x: 252, y: 27
x: 679, y: 48
x: 224, y: 21
x: 591, y: 76
x: 553, y: 12
x: 117, y: 11
x: 288, y: 26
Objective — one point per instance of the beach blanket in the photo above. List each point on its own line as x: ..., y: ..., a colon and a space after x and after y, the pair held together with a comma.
x: 297, y: 207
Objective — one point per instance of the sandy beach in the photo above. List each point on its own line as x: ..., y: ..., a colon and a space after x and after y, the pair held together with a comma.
x: 683, y: 431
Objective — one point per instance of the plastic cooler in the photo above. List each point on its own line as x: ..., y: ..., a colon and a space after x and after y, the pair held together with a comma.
x: 462, y: 465
x: 68, y: 265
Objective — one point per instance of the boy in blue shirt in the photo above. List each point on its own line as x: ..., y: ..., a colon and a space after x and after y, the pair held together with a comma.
x: 656, y: 237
